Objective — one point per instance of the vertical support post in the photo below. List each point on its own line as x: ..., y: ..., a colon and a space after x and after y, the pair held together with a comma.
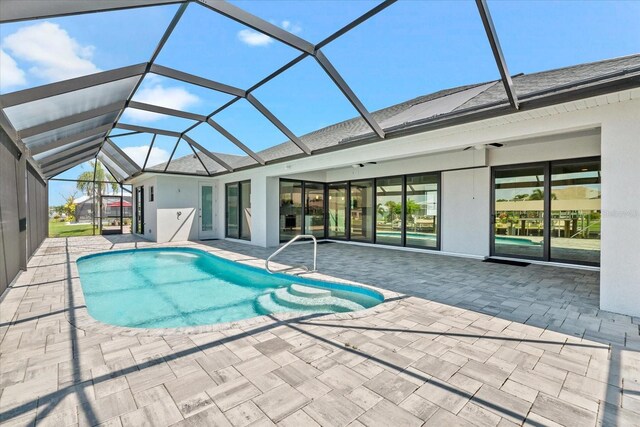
x: 21, y: 184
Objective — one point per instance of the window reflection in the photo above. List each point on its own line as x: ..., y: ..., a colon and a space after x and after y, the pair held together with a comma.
x: 337, y: 212
x: 245, y: 210
x: 389, y: 210
x: 290, y: 209
x: 361, y: 219
x: 232, y: 211
x: 519, y: 212
x: 575, y: 212
x: 422, y: 210
x: 314, y: 209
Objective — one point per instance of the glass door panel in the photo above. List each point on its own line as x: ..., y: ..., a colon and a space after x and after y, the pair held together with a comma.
x: 519, y: 212
x: 314, y: 209
x: 361, y: 219
x: 245, y: 210
x: 337, y: 214
x: 233, y: 228
x: 290, y: 209
x: 575, y: 211
x: 422, y: 210
x: 389, y: 210
x: 205, y: 215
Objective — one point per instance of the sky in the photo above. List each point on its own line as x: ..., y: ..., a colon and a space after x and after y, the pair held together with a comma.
x: 410, y: 49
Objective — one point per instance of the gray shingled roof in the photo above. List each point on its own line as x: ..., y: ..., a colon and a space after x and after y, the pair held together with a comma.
x: 417, y: 109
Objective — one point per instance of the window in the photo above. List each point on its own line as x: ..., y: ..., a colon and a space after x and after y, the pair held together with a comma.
x: 151, y: 194
x: 238, y: 210
x: 548, y: 211
x: 361, y: 211
x: 389, y: 210
x: 139, y: 210
x: 290, y: 209
x: 337, y: 211
x: 421, y: 211
x: 575, y: 211
x: 314, y: 209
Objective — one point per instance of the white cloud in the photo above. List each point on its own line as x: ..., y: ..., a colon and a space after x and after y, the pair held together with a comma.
x: 254, y: 38
x: 138, y: 154
x: 291, y: 27
x: 10, y: 74
x: 170, y: 97
x: 54, y: 53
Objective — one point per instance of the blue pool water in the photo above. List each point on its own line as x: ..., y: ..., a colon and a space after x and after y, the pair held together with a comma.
x: 175, y: 287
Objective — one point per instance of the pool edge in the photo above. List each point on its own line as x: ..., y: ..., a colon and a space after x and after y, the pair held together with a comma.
x: 81, y: 319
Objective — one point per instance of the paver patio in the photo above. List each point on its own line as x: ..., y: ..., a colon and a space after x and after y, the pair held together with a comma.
x: 467, y: 343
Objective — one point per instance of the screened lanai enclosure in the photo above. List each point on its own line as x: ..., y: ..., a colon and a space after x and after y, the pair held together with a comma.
x: 212, y: 87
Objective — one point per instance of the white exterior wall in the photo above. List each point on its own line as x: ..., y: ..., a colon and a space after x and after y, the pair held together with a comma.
x: 465, y: 226
x: 620, y: 259
x: 150, y: 217
x: 177, y: 194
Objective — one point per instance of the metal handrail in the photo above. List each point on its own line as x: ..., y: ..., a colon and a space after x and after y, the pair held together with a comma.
x: 304, y: 267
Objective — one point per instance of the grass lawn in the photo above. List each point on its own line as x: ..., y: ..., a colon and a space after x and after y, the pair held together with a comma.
x: 60, y: 229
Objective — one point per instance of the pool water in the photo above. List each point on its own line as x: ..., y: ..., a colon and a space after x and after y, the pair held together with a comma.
x: 177, y: 287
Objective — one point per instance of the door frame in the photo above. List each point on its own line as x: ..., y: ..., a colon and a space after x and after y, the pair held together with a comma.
x: 547, y: 169
x: 210, y: 234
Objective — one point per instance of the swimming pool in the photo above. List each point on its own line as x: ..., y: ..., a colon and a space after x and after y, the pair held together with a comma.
x: 177, y: 287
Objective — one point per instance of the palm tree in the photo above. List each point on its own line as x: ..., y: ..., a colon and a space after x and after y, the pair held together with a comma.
x: 95, y: 189
x: 85, y: 180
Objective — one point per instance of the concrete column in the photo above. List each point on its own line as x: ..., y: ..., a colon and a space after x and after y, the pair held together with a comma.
x: 265, y: 205
x: 620, y: 259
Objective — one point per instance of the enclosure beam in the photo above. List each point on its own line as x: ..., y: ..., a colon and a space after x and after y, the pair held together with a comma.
x: 207, y: 153
x: 69, y: 120
x: 235, y: 140
x: 115, y: 162
x: 146, y: 129
x: 258, y: 24
x: 146, y: 159
x: 166, y: 111
x: 489, y: 28
x: 71, y: 85
x: 54, y: 170
x: 22, y: 10
x: 47, y: 161
x: 277, y: 123
x: 196, y: 80
x: 124, y: 155
x: 66, y: 159
x: 195, y: 153
x: 97, y: 132
x: 346, y: 90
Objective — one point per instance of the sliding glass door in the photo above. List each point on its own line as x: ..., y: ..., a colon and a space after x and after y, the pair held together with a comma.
x: 389, y: 210
x: 421, y: 201
x: 314, y: 209
x: 361, y: 211
x: 575, y: 212
x: 337, y: 211
x: 519, y: 212
x: 290, y: 209
x: 548, y: 211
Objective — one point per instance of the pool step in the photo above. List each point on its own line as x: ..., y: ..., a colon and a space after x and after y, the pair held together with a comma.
x: 299, y: 298
x: 308, y: 291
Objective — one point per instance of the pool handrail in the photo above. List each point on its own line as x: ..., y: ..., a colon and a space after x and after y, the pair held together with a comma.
x: 304, y: 267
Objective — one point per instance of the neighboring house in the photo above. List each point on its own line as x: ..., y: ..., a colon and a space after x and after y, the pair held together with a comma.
x: 111, y: 208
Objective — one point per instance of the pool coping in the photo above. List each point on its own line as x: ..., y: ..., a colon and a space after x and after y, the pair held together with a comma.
x: 78, y: 314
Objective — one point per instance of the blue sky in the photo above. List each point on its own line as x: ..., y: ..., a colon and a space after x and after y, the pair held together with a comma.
x: 410, y: 49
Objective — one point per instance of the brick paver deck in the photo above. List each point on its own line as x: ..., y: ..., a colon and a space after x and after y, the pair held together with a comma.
x: 468, y: 343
